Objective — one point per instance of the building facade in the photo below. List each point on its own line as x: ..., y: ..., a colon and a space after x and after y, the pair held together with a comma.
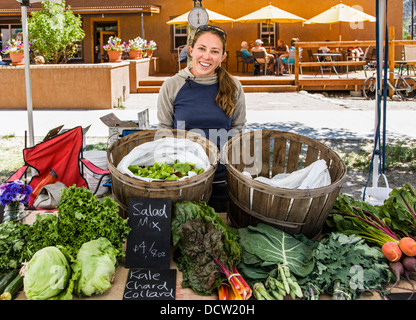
x: 148, y: 19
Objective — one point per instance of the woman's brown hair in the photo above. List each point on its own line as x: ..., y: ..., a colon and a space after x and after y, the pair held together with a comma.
x: 227, y: 92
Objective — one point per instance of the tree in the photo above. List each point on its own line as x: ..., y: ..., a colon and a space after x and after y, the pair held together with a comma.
x: 54, y: 32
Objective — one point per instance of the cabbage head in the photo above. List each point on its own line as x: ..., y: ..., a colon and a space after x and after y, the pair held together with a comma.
x: 47, y: 275
x: 95, y: 266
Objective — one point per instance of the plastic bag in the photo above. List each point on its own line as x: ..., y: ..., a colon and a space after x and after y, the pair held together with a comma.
x: 315, y: 175
x: 165, y: 150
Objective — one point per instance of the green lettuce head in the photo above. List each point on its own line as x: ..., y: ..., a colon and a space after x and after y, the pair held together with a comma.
x: 95, y: 264
x: 47, y: 275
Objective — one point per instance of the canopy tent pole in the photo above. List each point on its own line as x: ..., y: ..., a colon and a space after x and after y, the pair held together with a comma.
x: 381, y: 60
x: 27, y: 76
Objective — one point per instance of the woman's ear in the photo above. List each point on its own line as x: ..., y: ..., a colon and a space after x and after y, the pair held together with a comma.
x: 224, y: 56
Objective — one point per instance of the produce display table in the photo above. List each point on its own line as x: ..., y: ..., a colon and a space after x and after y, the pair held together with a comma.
x: 117, y: 289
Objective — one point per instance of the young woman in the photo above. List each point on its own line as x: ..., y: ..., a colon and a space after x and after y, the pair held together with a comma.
x: 205, y: 98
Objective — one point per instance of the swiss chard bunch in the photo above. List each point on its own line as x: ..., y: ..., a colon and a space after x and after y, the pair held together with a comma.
x: 207, y: 247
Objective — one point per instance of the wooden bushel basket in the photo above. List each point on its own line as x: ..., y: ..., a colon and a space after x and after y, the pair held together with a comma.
x: 197, y: 188
x: 267, y: 153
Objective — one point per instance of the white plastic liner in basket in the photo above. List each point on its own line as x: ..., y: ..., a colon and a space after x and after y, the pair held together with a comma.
x: 315, y: 175
x: 165, y: 150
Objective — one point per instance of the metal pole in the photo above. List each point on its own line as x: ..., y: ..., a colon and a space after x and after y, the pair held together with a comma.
x: 142, y: 26
x: 412, y: 20
x: 381, y: 9
x: 27, y: 76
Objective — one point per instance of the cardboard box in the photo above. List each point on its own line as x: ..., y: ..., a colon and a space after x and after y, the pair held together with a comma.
x: 117, y: 128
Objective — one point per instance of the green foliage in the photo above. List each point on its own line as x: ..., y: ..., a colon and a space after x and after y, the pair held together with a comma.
x: 345, y: 267
x: 264, y: 248
x: 54, y: 32
x: 202, y: 236
x: 82, y: 217
x: 165, y: 171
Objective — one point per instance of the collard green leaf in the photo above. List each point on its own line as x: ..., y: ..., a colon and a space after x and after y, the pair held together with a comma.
x: 273, y: 246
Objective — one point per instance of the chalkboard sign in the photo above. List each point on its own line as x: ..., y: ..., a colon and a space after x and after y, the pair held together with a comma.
x: 148, y: 243
x: 150, y: 284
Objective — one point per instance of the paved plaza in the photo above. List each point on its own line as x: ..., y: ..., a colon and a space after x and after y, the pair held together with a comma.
x: 316, y: 115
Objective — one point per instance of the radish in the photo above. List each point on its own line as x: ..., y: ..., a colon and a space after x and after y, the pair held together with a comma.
x: 391, y: 251
x: 397, y: 269
x: 408, y: 246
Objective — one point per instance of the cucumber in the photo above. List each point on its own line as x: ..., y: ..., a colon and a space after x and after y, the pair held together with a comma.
x: 13, y: 288
x: 9, y: 277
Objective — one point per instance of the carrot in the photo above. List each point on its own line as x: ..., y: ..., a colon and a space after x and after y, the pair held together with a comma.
x: 391, y: 251
x: 408, y: 246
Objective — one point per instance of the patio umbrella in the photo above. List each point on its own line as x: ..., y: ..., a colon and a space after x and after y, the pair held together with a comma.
x: 24, y: 4
x: 270, y: 14
x: 340, y: 13
x: 214, y: 17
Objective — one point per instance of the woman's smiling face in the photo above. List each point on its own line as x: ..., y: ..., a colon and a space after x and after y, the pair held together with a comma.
x: 207, y: 54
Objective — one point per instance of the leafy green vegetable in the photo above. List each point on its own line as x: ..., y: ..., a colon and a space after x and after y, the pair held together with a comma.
x: 95, y: 266
x: 377, y: 224
x: 345, y: 267
x: 400, y: 209
x: 266, y: 247
x: 202, y: 236
x: 13, y: 239
x: 200, y: 243
x: 165, y: 171
x: 188, y: 210
x: 360, y: 218
x: 48, y: 275
x: 82, y: 217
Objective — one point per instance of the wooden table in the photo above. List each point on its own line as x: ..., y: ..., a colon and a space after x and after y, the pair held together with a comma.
x: 117, y: 288
x: 333, y: 56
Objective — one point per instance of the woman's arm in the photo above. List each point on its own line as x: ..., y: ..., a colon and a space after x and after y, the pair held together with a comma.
x: 164, y: 108
x: 239, y: 115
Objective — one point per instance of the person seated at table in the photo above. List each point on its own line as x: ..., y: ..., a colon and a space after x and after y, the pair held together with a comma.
x: 285, y: 57
x: 247, y: 57
x: 356, y: 52
x: 269, y: 57
x: 282, y: 50
x: 325, y: 49
x: 281, y: 47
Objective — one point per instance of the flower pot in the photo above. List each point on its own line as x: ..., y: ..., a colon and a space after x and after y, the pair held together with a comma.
x: 149, y: 53
x: 135, y: 54
x: 114, y: 56
x: 13, y: 211
x: 18, y: 58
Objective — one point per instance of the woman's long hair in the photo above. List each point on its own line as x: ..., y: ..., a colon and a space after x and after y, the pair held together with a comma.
x: 227, y: 92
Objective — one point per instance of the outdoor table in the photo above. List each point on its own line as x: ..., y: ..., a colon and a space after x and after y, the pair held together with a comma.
x: 333, y: 56
x: 278, y: 53
x: 117, y: 287
x: 407, y: 64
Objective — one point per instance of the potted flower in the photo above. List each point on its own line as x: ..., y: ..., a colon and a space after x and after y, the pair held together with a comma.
x: 114, y: 49
x: 13, y: 195
x: 136, y: 47
x: 150, y: 47
x: 15, y: 49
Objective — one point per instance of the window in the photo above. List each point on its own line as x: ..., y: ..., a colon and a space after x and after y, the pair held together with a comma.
x: 180, y: 36
x: 264, y: 34
x: 9, y: 31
